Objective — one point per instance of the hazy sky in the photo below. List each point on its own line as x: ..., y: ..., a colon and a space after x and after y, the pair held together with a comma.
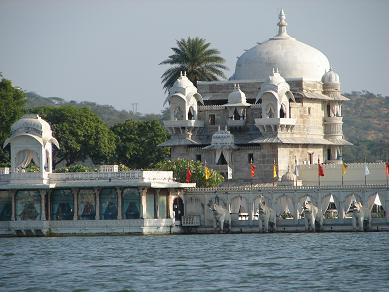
x: 108, y: 51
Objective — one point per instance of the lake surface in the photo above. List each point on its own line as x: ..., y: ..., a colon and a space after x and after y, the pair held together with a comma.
x: 225, y: 262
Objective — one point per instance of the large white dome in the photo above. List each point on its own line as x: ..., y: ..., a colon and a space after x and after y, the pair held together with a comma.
x: 294, y: 59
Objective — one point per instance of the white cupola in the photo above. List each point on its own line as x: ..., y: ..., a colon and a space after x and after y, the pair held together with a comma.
x: 31, y: 141
x: 275, y: 96
x: 236, y: 106
x: 183, y: 99
x: 331, y: 82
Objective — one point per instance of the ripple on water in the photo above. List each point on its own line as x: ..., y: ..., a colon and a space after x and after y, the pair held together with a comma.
x: 235, y: 262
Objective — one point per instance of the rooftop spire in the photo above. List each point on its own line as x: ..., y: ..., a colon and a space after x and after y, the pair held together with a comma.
x: 282, y: 24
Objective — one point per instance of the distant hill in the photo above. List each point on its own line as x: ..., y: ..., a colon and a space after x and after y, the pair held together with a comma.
x: 366, y: 125
x: 366, y: 121
x: 107, y: 113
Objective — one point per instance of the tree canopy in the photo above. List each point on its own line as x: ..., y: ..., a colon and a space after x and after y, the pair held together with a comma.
x: 81, y: 135
x: 194, y: 56
x: 138, y: 141
x: 12, y: 107
x: 180, y: 167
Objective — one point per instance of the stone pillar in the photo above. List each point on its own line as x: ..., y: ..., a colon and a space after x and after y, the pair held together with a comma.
x: 49, y: 205
x: 43, y: 205
x: 156, y: 203
x: 119, y: 193
x: 341, y: 211
x: 13, y: 205
x: 75, y: 204
x: 387, y: 207
x: 97, y: 198
x: 143, y: 192
x: 170, y: 204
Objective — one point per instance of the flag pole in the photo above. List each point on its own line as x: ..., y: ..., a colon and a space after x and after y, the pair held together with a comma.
x: 386, y: 169
x: 364, y: 169
x: 318, y: 170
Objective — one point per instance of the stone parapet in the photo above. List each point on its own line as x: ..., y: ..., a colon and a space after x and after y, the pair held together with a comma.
x: 184, y: 123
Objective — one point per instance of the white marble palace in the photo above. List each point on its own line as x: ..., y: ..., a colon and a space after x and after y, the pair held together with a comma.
x: 283, y: 103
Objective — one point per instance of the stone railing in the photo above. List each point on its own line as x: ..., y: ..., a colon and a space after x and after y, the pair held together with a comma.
x: 211, y: 107
x: 184, y: 123
x: 267, y: 188
x: 134, y: 175
x: 236, y: 123
x: 190, y: 221
x: 275, y: 124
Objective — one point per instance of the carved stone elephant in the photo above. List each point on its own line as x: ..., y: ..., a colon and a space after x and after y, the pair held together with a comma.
x: 359, y: 215
x: 266, y: 217
x: 221, y: 216
x: 312, y: 214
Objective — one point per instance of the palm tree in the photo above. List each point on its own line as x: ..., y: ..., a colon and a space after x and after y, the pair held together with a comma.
x: 194, y: 56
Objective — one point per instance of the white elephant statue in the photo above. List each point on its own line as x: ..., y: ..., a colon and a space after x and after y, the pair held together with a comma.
x: 221, y: 215
x: 266, y: 217
x: 359, y: 215
x: 312, y: 214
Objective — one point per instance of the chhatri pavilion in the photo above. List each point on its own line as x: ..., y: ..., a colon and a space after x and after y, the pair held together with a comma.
x: 282, y: 105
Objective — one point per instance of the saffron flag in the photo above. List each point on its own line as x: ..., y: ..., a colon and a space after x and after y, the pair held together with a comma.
x: 207, y: 172
x: 188, y: 174
x: 320, y: 168
x: 367, y: 171
x: 344, y: 168
x: 252, y: 168
x: 274, y: 169
x: 387, y: 168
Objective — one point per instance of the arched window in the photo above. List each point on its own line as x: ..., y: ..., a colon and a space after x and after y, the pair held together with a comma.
x: 178, y: 114
x: 282, y: 111
x: 222, y: 160
x: 191, y: 113
x: 328, y: 110
x: 236, y: 115
x: 270, y: 112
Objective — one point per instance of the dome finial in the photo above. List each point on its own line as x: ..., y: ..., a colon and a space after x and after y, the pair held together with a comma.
x: 282, y: 24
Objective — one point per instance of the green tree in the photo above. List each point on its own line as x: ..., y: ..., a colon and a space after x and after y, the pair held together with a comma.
x: 138, y: 142
x: 180, y: 167
x: 80, y: 133
x: 12, y: 103
x: 194, y: 56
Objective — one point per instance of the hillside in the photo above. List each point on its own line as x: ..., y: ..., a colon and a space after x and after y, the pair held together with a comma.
x: 107, y: 113
x: 366, y: 125
x: 366, y: 121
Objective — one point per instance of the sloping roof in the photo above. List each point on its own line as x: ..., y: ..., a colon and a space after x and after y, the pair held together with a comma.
x: 290, y: 140
x: 341, y: 142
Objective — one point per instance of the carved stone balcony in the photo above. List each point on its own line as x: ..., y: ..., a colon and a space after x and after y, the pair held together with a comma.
x: 236, y: 123
x: 333, y: 127
x: 274, y: 125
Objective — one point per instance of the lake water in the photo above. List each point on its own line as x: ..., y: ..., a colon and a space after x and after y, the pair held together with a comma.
x: 232, y: 262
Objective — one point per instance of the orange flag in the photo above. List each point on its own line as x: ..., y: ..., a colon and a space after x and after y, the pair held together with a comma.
x: 387, y: 168
x: 252, y: 168
x: 188, y: 174
x: 321, y: 168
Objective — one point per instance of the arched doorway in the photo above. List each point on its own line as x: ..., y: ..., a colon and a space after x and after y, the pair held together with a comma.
x: 178, y: 208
